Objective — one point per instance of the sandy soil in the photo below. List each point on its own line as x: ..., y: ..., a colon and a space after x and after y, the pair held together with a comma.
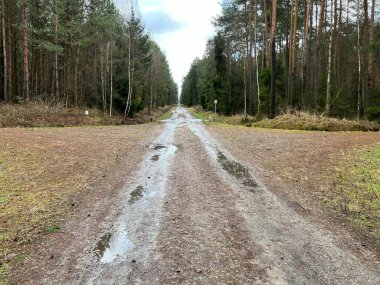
x: 196, y: 212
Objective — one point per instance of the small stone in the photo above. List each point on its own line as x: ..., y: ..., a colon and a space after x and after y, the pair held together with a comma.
x: 134, y: 261
x: 52, y: 256
x: 179, y: 270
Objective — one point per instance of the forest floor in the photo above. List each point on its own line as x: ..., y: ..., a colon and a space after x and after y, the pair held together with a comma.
x: 184, y: 203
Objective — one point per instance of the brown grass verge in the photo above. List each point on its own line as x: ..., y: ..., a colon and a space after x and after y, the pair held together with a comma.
x: 40, y: 115
x: 45, y: 173
x: 305, y: 121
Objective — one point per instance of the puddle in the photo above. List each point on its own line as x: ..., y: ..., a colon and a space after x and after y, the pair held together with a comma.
x: 136, y: 195
x: 110, y: 247
x: 159, y: 147
x: 155, y: 157
x: 239, y: 171
x: 102, y: 245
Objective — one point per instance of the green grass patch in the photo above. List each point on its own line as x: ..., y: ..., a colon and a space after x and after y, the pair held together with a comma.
x: 53, y: 229
x: 210, y: 117
x: 165, y: 116
x: 358, y: 188
x: 4, y: 273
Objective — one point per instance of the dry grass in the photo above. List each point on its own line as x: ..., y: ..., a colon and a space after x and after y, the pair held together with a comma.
x: 45, y: 173
x: 302, y: 121
x: 305, y: 121
x: 41, y: 115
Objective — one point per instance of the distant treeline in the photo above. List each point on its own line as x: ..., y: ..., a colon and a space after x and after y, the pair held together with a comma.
x: 81, y: 53
x: 317, y: 55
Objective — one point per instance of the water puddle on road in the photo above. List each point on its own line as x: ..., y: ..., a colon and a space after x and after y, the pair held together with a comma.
x: 155, y: 157
x: 159, y: 147
x: 111, y: 246
x: 239, y: 171
x: 136, y: 195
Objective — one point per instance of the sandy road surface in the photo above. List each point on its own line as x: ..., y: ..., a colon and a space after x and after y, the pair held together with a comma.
x: 195, y: 215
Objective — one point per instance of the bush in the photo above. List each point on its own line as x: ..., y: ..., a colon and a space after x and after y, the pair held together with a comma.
x: 373, y: 113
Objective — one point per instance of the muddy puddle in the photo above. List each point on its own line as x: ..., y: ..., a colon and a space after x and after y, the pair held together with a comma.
x: 102, y: 245
x: 159, y: 147
x: 239, y: 171
x: 155, y: 157
x: 136, y: 195
x: 111, y: 246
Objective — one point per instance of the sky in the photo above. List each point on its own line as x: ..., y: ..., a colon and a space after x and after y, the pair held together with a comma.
x: 180, y: 27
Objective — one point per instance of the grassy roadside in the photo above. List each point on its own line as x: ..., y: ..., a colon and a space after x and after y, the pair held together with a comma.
x: 165, y: 116
x: 357, y: 188
x: 302, y: 121
x: 210, y: 117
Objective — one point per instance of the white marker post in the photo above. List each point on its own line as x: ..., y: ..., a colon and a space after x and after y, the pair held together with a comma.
x: 215, y: 102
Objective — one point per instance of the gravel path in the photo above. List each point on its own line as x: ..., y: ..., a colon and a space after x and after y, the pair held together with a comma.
x: 193, y: 214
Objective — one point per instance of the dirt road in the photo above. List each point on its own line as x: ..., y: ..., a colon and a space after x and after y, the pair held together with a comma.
x: 193, y: 214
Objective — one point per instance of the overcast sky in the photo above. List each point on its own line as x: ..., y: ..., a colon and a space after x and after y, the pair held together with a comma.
x: 180, y: 27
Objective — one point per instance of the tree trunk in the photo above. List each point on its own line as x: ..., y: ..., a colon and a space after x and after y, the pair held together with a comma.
x: 359, y: 61
x: 4, y: 52
x: 77, y: 56
x: 265, y: 35
x: 111, y: 82
x: 245, y: 90
x: 293, y: 48
x: 25, y: 45
x: 256, y: 63
x: 305, y: 51
x: 273, y: 63
x: 10, y: 95
x: 248, y: 70
x: 56, y: 78
x: 370, y: 77
x: 102, y: 76
x: 127, y: 106
x: 318, y: 53
x: 328, y: 83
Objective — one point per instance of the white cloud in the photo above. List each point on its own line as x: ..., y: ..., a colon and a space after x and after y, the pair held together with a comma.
x: 182, y: 45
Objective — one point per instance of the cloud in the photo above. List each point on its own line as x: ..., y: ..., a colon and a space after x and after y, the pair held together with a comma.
x: 158, y: 22
x: 180, y: 27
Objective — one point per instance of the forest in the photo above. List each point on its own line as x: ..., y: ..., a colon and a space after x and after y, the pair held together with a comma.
x: 273, y: 57
x: 81, y: 53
